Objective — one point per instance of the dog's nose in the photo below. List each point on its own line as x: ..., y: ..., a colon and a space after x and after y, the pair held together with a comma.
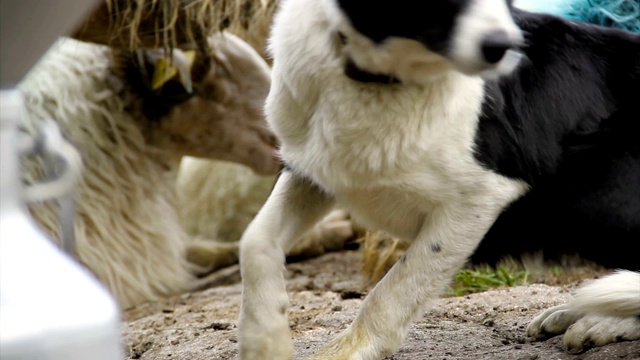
x: 495, y: 45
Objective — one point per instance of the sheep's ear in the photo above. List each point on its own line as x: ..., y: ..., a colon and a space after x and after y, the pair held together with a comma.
x: 179, y: 64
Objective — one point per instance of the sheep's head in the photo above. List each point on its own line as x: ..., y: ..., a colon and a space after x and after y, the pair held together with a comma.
x: 222, y: 117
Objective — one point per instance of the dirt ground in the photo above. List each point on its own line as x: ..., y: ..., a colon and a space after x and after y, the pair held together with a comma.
x: 326, y: 293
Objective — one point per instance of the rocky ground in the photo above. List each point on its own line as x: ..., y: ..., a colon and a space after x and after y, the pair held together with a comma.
x: 326, y: 293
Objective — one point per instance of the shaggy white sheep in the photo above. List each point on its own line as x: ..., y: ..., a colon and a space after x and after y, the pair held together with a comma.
x: 218, y: 200
x: 127, y: 228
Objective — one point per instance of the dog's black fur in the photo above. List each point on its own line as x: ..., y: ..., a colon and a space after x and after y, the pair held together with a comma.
x: 564, y: 121
x: 572, y: 131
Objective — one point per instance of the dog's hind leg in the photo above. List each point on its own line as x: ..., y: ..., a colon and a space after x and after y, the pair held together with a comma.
x: 605, y: 311
x: 447, y: 238
x: 598, y: 330
x: 292, y: 209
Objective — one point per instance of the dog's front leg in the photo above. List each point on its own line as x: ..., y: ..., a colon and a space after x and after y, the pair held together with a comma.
x: 293, y: 207
x: 447, y: 238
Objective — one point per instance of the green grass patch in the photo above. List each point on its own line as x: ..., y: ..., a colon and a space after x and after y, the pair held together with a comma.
x: 469, y: 281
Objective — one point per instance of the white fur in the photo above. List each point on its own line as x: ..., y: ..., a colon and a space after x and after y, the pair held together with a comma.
x: 399, y: 158
x: 127, y: 229
x: 604, y: 311
x: 617, y: 294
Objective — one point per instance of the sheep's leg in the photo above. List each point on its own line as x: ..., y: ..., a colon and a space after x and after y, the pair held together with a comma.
x: 293, y: 207
x: 330, y: 234
x: 209, y: 256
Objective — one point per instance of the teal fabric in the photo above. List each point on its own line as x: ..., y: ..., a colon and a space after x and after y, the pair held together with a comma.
x: 622, y: 14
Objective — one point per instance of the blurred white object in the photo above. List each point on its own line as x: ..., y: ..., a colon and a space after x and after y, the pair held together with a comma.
x: 62, y: 166
x: 50, y: 307
x: 29, y: 27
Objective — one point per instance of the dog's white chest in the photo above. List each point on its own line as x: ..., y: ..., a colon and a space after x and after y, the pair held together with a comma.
x: 387, y: 153
x: 355, y: 136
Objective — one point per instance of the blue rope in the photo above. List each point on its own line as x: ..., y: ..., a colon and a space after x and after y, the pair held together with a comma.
x: 621, y: 14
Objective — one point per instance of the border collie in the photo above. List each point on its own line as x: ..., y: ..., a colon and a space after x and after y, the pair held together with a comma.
x: 427, y: 119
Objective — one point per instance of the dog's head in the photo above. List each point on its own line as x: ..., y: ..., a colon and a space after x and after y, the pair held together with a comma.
x: 413, y: 40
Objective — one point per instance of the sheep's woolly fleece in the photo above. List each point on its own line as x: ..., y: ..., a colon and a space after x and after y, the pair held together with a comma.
x: 234, y: 196
x: 73, y: 84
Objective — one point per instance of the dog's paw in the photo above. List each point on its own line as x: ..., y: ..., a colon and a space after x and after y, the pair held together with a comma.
x: 583, y: 331
x: 552, y: 322
x: 330, y: 234
x: 358, y: 343
x: 266, y: 348
x: 344, y: 347
x: 272, y: 342
x: 597, y: 330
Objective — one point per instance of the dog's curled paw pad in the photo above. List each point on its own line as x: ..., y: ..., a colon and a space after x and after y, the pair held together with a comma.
x: 596, y: 330
x: 558, y: 322
x: 551, y: 322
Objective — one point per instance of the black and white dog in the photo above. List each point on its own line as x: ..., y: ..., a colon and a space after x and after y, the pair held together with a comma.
x: 427, y: 119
